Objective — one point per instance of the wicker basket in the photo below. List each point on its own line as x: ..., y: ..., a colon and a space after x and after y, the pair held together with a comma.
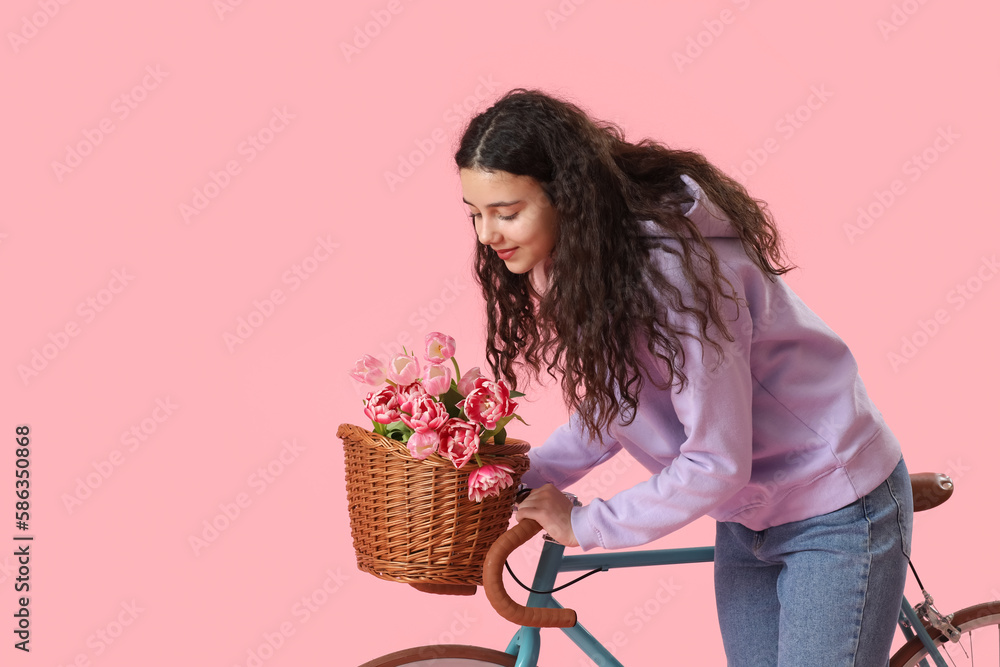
x: 412, y: 521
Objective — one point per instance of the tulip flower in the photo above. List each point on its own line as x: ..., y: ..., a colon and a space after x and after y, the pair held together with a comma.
x: 425, y: 412
x: 440, y: 348
x: 409, y: 393
x: 423, y: 443
x: 403, y: 369
x: 468, y: 381
x: 369, y: 369
x: 489, y: 480
x: 382, y: 406
x: 459, y: 441
x: 437, y: 379
x: 488, y: 402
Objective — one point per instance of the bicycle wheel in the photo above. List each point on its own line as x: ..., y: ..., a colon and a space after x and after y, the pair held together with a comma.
x: 443, y: 655
x: 980, y: 640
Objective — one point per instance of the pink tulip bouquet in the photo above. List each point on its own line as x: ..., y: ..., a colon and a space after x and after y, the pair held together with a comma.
x: 440, y: 412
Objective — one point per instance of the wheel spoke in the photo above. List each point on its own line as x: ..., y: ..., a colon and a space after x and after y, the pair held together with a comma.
x: 963, y: 647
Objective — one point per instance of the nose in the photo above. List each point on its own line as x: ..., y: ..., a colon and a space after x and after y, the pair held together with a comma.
x: 487, y: 230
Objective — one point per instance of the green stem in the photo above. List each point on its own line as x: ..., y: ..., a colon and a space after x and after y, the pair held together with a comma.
x: 478, y: 460
x: 458, y: 374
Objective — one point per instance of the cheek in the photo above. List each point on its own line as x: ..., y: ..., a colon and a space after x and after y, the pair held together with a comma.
x: 539, y: 234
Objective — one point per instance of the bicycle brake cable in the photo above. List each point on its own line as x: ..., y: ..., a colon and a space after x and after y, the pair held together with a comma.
x: 915, y: 575
x: 557, y: 588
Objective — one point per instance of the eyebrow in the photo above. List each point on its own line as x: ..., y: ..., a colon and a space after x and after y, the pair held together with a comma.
x: 496, y: 204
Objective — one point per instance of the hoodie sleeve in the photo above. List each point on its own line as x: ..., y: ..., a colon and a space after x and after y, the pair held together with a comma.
x: 711, y: 463
x: 566, y: 456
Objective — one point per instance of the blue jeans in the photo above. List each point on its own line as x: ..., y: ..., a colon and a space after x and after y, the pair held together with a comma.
x: 821, y: 591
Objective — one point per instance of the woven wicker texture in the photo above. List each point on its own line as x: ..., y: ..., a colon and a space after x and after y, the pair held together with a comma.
x: 412, y: 521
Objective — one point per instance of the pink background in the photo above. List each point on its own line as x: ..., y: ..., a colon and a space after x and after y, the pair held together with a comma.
x: 158, y: 102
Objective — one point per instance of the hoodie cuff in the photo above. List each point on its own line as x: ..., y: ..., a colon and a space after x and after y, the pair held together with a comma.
x: 587, y: 536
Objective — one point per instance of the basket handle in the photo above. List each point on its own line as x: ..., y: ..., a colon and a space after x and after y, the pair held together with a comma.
x: 534, y: 617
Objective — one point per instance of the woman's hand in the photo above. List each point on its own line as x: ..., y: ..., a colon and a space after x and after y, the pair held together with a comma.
x: 550, y: 508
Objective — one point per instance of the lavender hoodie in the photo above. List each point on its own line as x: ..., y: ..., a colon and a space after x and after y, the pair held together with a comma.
x: 781, y: 430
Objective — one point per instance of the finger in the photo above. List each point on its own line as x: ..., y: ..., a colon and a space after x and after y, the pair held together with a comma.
x: 532, y: 513
x: 521, y: 515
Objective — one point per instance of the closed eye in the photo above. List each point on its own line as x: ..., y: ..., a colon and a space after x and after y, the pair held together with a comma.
x: 500, y: 217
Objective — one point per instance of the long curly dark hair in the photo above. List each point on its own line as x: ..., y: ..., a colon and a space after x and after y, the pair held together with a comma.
x: 588, y: 322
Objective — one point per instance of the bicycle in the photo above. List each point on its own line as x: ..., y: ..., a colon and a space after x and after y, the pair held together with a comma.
x: 931, y: 637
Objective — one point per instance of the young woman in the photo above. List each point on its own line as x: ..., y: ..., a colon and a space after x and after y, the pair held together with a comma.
x: 652, y: 283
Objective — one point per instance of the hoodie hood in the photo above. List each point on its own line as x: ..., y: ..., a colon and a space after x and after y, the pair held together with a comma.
x: 703, y: 212
x: 711, y: 221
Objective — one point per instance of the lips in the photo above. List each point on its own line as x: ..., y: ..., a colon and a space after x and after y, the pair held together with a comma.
x: 505, y: 254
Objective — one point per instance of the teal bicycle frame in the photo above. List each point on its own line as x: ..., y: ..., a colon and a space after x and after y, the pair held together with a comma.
x: 527, y: 642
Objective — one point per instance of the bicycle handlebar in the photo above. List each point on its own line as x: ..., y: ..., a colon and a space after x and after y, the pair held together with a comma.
x: 930, y: 490
x: 534, y: 617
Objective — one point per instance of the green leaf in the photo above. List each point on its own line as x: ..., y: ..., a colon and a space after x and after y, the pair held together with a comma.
x: 498, y: 429
x: 486, y: 435
x: 500, y: 438
x: 450, y: 398
x: 516, y: 394
x: 518, y: 418
x: 397, y: 430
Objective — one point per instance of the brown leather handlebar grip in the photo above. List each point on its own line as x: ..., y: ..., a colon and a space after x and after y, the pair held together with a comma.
x: 534, y: 617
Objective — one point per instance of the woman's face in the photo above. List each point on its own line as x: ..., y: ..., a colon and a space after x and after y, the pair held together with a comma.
x: 512, y: 215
